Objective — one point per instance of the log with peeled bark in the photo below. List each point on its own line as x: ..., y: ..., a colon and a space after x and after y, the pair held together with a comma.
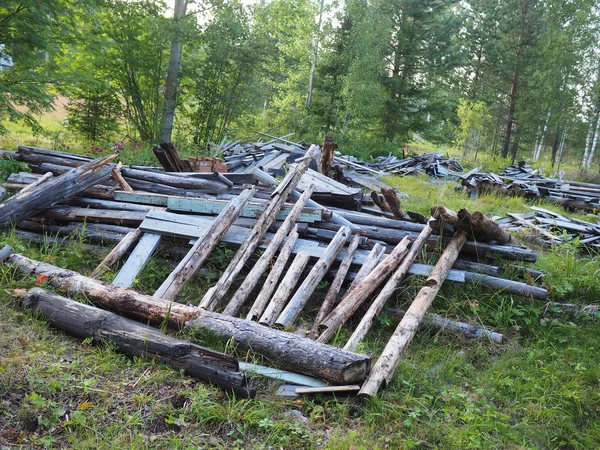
x: 285, y: 289
x: 136, y: 339
x: 266, y: 219
x: 22, y: 206
x: 300, y: 298
x: 393, y: 202
x: 390, y: 287
x: 203, y: 247
x: 266, y: 293
x: 373, y: 258
x: 332, y: 294
x: 37, y: 182
x: 249, y: 283
x: 284, y: 349
x: 354, y: 298
x: 390, y: 357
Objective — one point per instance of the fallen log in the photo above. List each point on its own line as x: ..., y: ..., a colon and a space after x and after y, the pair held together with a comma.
x: 390, y: 357
x: 332, y: 294
x: 371, y: 261
x: 286, y: 350
x: 3, y: 193
x: 117, y: 252
x: 393, y: 202
x: 466, y: 330
x: 270, y: 285
x: 354, y: 298
x: 215, y: 294
x: 572, y: 309
x: 136, y: 339
x: 299, y: 300
x: 244, y: 291
x: 22, y: 206
x: 203, y: 247
x: 390, y: 287
x: 285, y: 289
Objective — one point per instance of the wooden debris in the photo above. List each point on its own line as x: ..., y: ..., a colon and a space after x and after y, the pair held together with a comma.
x: 136, y: 339
x: 384, y: 368
x: 117, y: 252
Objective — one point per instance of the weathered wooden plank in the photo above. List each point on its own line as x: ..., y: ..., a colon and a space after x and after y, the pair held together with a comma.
x: 137, y: 260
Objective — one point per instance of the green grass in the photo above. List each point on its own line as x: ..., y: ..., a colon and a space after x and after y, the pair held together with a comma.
x: 540, y: 390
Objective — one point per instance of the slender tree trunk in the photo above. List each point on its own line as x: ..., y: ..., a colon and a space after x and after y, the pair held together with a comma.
x: 172, y: 83
x: 555, y: 144
x: 538, y: 149
x: 313, y: 67
x: 588, y: 163
x: 515, y: 147
x: 511, y: 114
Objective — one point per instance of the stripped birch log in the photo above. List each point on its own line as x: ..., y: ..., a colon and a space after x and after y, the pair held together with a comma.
x: 137, y: 339
x: 388, y: 361
x: 22, y: 206
x: 271, y: 282
x: 373, y: 258
x: 297, y: 303
x: 334, y: 290
x: 260, y: 266
x: 203, y: 247
x: 117, y: 252
x: 367, y: 320
x: 354, y: 298
x: 267, y: 218
x: 283, y: 349
x: 285, y: 289
x: 37, y: 182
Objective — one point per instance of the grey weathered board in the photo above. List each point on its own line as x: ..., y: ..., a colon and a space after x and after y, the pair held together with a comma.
x: 137, y: 260
x: 191, y: 227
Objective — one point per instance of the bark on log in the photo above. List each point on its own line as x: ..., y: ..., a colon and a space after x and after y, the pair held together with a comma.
x: 259, y: 267
x: 299, y: 300
x: 285, y: 289
x: 136, y: 339
x: 286, y: 350
x: 353, y: 299
x: 118, y: 177
x: 327, y: 154
x: 390, y: 357
x: 117, y: 252
x: 367, y: 320
x: 271, y: 282
x: 3, y: 193
x: 334, y: 290
x: 23, y: 206
x: 488, y: 228
x: 203, y: 247
x: 288, y: 184
x: 391, y: 198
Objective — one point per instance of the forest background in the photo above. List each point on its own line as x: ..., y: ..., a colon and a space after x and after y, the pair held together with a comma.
x: 515, y: 78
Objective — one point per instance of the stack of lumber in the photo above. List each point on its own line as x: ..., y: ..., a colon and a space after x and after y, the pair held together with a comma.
x: 365, y: 255
x: 554, y: 229
x: 433, y: 164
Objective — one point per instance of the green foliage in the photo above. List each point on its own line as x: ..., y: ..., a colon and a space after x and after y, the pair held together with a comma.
x: 94, y: 114
x: 474, y: 120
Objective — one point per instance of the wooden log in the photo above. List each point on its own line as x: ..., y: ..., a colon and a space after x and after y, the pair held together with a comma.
x: 136, y: 339
x: 22, y: 206
x: 299, y: 300
x: 285, y: 289
x: 116, y: 174
x: 390, y: 357
x: 465, y: 330
x: 117, y: 252
x: 203, y: 247
x: 259, y: 267
x: 3, y: 193
x: 5, y: 252
x: 354, y: 298
x: 327, y: 154
x: 181, y: 165
x: 379, y: 200
x: 484, y: 228
x: 170, y: 179
x: 334, y: 290
x: 390, y: 287
x: 271, y: 283
x: 391, y: 198
x: 215, y: 294
x: 37, y: 182
x: 93, y: 215
x: 287, y: 350
x: 108, y: 204
x: 371, y: 261
x: 569, y: 309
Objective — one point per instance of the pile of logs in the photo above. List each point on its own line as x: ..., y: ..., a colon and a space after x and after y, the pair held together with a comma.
x: 550, y: 228
x: 522, y: 180
x: 433, y: 164
x: 304, y: 239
